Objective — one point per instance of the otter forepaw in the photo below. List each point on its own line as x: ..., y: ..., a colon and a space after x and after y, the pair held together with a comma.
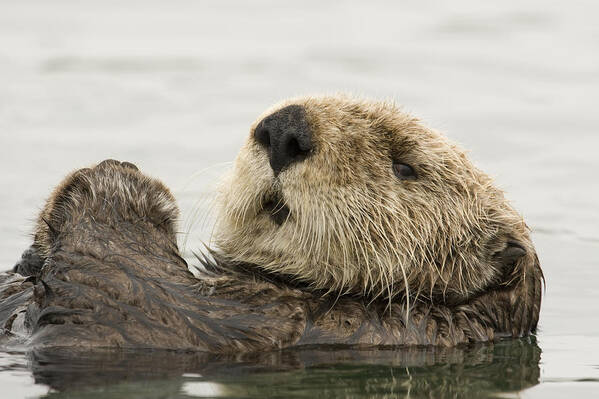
x: 109, y: 192
x: 107, y: 163
x: 31, y: 262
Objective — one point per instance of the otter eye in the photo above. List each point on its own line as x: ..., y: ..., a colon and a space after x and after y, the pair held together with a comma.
x: 404, y: 171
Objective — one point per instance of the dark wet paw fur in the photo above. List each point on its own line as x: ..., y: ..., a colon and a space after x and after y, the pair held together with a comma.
x: 30, y: 264
x: 109, y: 192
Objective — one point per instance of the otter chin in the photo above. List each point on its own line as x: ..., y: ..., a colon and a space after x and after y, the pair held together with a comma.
x: 343, y: 221
x: 352, y: 196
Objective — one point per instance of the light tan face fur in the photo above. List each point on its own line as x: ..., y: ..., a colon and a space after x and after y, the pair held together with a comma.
x: 353, y: 226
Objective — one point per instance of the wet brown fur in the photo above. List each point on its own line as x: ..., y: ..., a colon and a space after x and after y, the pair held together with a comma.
x: 112, y: 275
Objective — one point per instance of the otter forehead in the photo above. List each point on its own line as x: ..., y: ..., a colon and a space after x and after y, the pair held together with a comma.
x: 352, y: 195
x: 353, y: 136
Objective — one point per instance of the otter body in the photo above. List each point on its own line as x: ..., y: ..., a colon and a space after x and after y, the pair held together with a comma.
x: 342, y: 222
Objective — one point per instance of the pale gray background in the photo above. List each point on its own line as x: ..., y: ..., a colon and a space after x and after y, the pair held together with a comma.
x: 173, y: 86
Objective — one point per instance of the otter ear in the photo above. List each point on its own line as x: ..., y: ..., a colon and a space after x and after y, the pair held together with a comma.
x: 512, y: 253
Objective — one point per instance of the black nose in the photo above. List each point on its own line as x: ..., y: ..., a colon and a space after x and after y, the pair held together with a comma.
x: 286, y: 136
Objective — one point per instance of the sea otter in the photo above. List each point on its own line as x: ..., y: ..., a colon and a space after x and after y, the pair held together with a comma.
x: 343, y: 221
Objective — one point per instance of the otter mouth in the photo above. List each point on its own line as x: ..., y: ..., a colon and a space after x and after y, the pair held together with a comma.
x: 276, y: 208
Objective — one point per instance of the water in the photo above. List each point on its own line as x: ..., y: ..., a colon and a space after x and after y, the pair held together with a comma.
x: 173, y: 87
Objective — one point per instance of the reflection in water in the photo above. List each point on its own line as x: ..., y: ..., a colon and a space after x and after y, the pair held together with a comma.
x: 477, y: 371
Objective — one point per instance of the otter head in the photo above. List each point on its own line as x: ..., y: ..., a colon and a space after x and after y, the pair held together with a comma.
x: 358, y: 197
